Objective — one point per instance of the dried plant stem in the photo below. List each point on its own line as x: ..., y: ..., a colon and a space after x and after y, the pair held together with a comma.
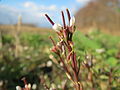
x: 63, y: 18
x: 68, y: 13
x: 52, y: 40
x: 49, y: 19
x: 91, y: 79
x: 64, y: 49
x: 77, y: 85
x: 110, y: 80
x: 17, y: 43
x: 1, y: 44
x: 64, y: 66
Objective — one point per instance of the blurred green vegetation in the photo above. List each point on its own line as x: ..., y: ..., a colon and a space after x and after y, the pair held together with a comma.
x: 33, y: 57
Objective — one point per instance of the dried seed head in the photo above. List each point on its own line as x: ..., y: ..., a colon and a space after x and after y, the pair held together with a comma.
x: 57, y: 27
x: 72, y: 21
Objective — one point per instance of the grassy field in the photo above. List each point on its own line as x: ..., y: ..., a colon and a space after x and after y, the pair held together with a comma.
x: 29, y: 56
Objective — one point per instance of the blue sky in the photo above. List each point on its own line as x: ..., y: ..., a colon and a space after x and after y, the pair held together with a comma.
x: 32, y: 11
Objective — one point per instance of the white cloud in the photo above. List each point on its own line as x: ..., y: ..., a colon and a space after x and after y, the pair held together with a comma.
x: 34, y: 6
x: 9, y: 15
x: 83, y: 1
x: 47, y: 8
x: 52, y: 7
x: 30, y: 5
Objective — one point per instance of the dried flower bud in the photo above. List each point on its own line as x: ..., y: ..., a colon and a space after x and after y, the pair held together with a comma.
x: 49, y: 63
x: 29, y: 86
x: 57, y: 27
x: 34, y: 86
x: 26, y: 86
x: 72, y: 21
x: 18, y: 88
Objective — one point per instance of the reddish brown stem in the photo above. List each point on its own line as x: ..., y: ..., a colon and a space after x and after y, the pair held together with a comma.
x: 73, y: 62
x: 78, y: 84
x: 64, y: 66
x: 49, y: 19
x: 76, y: 67
x: 52, y: 41
x: 63, y: 18
x: 68, y: 13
